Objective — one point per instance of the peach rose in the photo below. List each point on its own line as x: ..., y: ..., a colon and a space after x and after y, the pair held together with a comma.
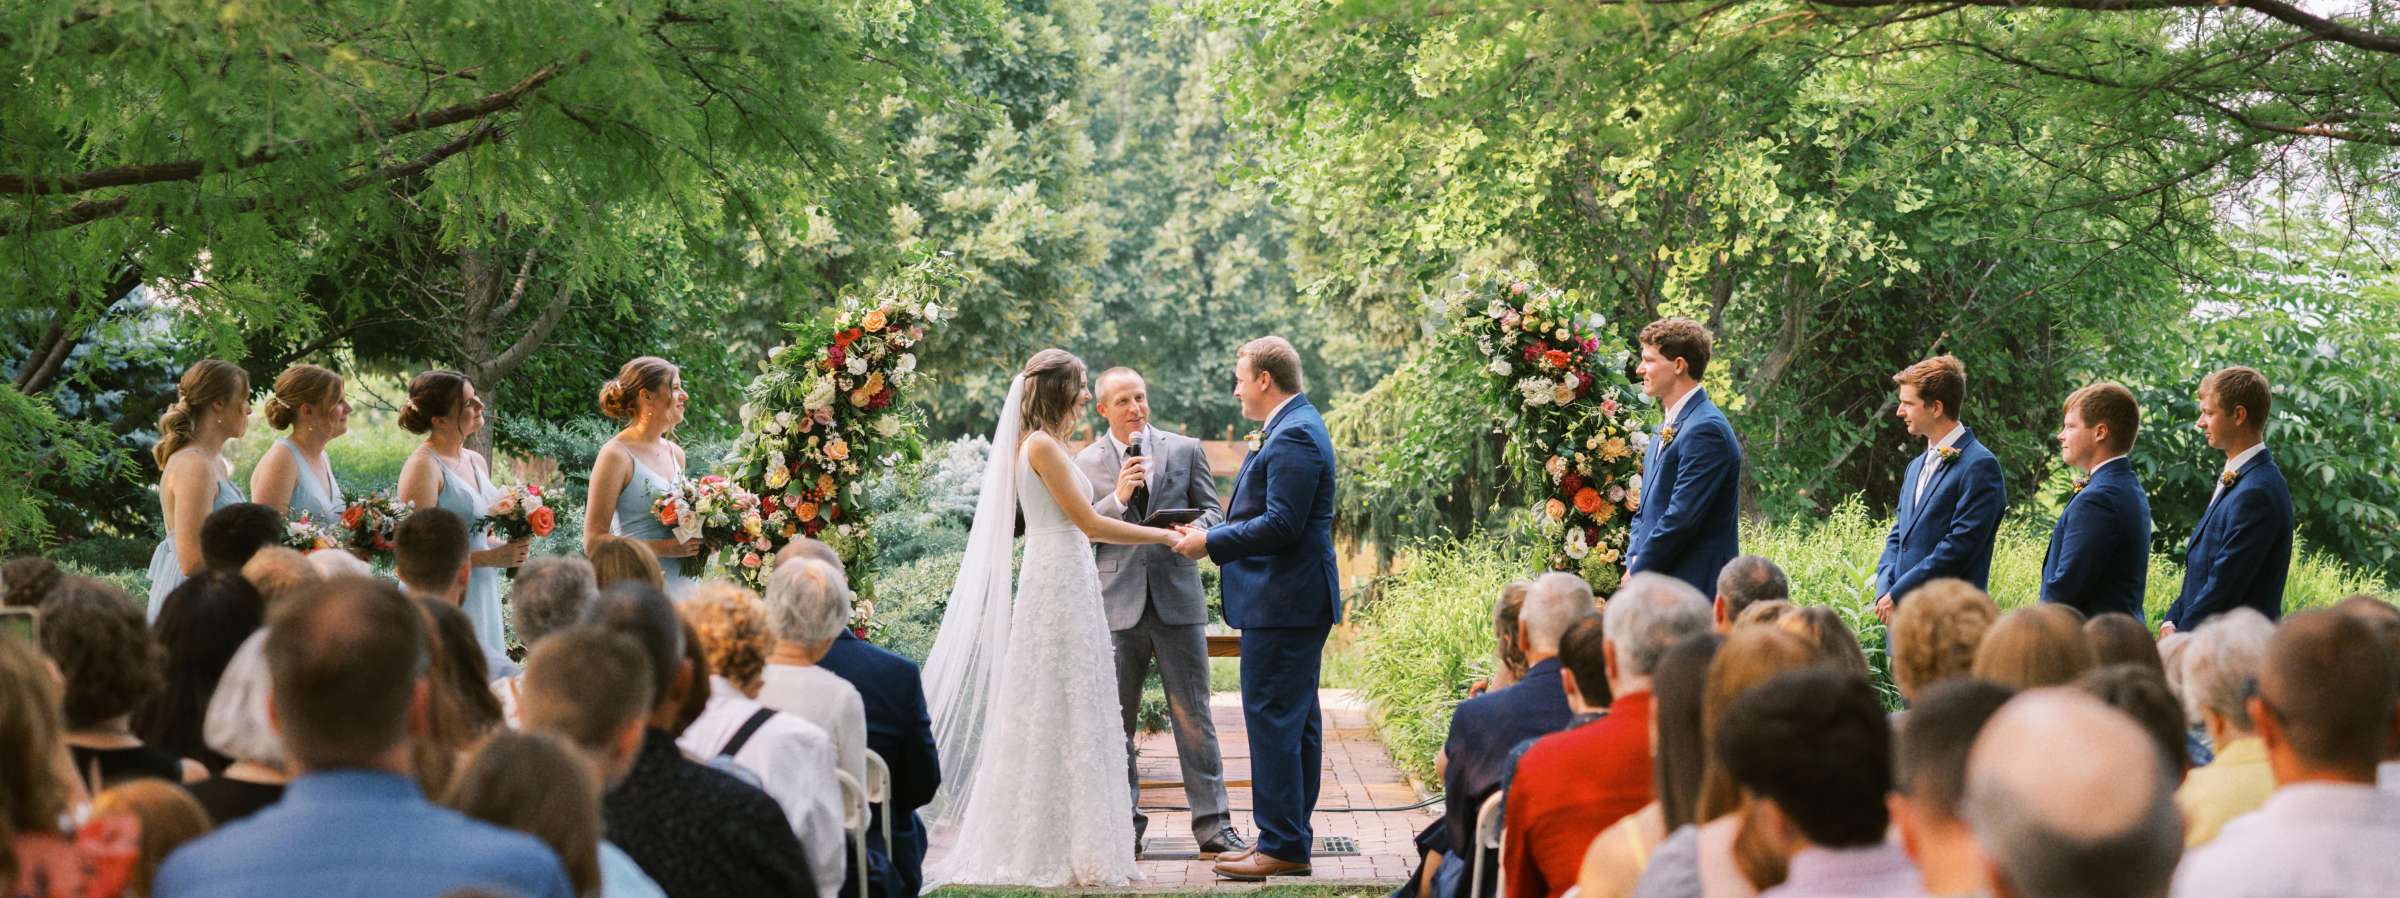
x: 874, y: 321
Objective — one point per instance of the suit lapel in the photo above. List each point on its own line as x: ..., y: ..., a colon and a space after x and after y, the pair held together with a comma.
x: 2240, y: 474
x: 1941, y: 472
x: 1265, y: 432
x: 1659, y: 447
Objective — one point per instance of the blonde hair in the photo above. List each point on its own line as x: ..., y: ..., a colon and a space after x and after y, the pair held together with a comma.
x: 732, y: 625
x: 297, y: 386
x: 205, y: 385
x: 2243, y: 388
x: 1942, y: 379
x: 1752, y: 655
x: 621, y: 396
x: 540, y: 785
x: 1275, y: 357
x: 31, y: 725
x: 280, y: 572
x: 616, y: 559
x: 169, y: 818
x: 1053, y: 382
x: 1936, y: 632
x: 2031, y: 647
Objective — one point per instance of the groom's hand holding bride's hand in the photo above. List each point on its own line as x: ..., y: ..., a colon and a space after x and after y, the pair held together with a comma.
x: 1194, y: 544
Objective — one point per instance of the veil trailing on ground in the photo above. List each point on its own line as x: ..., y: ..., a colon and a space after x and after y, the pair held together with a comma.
x: 965, y: 665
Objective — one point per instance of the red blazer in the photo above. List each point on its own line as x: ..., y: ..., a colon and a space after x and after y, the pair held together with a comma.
x: 1570, y: 786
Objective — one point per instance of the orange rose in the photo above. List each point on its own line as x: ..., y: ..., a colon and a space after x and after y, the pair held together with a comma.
x: 1557, y: 509
x: 352, y: 515
x: 873, y: 322
x: 837, y: 450
x: 1587, y: 500
x: 542, y: 520
x: 666, y: 514
x: 807, y: 511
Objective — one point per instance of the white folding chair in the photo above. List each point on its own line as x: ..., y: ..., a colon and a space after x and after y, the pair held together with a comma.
x: 879, y: 793
x: 1489, y: 830
x: 854, y: 824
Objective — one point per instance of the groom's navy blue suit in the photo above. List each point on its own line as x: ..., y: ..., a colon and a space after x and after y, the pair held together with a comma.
x: 1275, y: 552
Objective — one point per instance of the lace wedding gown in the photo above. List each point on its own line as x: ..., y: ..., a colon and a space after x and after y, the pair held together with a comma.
x: 1048, y: 806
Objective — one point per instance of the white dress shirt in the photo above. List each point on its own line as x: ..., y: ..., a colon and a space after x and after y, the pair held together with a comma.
x: 1277, y: 410
x: 2309, y: 839
x: 1676, y: 408
x: 1106, y: 502
x: 823, y: 698
x: 2234, y: 466
x: 1933, y: 457
x: 794, y: 762
x: 2095, y: 471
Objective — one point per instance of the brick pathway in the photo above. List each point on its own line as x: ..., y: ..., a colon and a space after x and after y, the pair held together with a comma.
x: 1358, y: 773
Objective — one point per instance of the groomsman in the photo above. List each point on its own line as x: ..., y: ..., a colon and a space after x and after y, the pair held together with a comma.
x: 2243, y: 548
x: 1951, y: 497
x: 1688, y: 525
x: 2099, y: 558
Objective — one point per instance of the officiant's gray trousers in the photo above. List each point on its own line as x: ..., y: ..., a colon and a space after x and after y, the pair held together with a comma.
x: 1182, y: 653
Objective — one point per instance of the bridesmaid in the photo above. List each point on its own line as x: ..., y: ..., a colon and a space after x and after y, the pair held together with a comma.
x: 443, y: 472
x: 212, y: 405
x: 640, y: 464
x: 295, y: 477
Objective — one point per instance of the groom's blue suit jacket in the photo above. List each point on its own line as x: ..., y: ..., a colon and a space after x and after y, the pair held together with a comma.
x: 2242, y: 551
x: 1275, y: 549
x: 1689, y: 524
x: 1948, y: 531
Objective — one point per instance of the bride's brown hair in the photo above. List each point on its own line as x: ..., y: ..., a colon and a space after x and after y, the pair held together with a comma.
x: 1053, y: 382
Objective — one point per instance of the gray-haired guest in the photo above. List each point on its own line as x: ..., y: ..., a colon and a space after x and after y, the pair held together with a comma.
x: 237, y: 727
x: 808, y: 605
x: 552, y: 594
x: 2220, y: 664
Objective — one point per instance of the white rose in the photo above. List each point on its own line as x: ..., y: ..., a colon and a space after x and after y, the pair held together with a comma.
x: 1535, y: 390
x: 907, y: 363
x: 857, y: 365
x: 819, y: 396
x: 933, y: 313
x: 1576, y: 548
x: 533, y: 503
x: 888, y: 425
x: 1561, y: 333
x: 1501, y: 368
x: 785, y: 421
x: 1568, y: 380
x: 1641, y: 441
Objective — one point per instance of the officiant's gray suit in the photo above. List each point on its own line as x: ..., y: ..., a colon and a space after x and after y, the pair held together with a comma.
x: 1156, y: 609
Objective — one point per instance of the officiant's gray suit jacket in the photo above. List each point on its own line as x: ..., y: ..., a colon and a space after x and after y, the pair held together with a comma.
x: 1132, y: 575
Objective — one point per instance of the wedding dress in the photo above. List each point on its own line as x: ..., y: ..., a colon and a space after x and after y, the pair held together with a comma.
x: 1024, y: 701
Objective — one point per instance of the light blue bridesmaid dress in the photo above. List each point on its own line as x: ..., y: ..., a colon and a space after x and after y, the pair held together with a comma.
x: 635, y: 520
x: 322, y: 502
x: 166, y: 571
x: 470, y: 501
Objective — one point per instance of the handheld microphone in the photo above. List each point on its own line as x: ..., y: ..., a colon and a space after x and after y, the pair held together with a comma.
x: 1141, y: 494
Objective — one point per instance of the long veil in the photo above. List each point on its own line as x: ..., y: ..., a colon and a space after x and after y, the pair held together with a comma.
x: 967, y: 654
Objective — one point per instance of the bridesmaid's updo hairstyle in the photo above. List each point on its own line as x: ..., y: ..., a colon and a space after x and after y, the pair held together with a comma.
x: 1053, y: 381
x: 621, y: 396
x: 431, y: 395
x: 204, y: 384
x: 297, y: 386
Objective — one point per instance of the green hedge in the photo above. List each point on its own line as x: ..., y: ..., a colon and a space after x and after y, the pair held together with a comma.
x: 1425, y: 636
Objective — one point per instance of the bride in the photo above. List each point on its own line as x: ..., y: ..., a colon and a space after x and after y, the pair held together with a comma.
x: 1023, y: 695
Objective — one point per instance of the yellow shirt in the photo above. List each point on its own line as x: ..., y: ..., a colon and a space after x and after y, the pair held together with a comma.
x: 2236, y: 783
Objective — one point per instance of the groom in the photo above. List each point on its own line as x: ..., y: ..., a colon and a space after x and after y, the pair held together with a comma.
x: 1283, y: 592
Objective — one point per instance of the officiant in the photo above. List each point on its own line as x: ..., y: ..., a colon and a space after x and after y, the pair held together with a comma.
x: 1155, y: 606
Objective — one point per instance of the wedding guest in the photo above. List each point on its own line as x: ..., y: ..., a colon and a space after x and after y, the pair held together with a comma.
x: 792, y: 758
x: 169, y: 819
x: 212, y: 405
x: 295, y: 477
x: 237, y: 727
x: 36, y: 778
x: 1936, y: 632
x: 2324, y: 710
x: 898, y: 729
x: 808, y: 606
x: 551, y: 594
x: 2099, y: 555
x: 617, y: 559
x: 538, y: 785
x: 1764, y: 614
x: 1746, y: 581
x: 2196, y: 749
x: 1930, y: 781
x: 693, y: 829
x: 1814, y: 752
x: 277, y: 572
x: 1572, y: 785
x: 2220, y: 663
x: 2242, y: 549
x: 639, y: 464
x: 345, y: 666
x: 2142, y: 694
x: 1687, y: 525
x: 25, y: 582
x: 2092, y: 822
x: 1824, y: 628
x: 2121, y: 639
x: 2040, y: 645
x: 232, y: 535
x: 592, y: 688
x: 1952, y: 496
x: 112, y: 664
x: 205, y: 622
x: 433, y: 555
x: 443, y: 473
x: 1614, y: 863
x: 1508, y: 655
x: 2384, y: 619
x: 1698, y: 859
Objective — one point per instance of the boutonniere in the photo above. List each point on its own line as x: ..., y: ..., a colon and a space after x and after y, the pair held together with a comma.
x: 1255, y: 440
x: 2080, y: 483
x: 1666, y: 436
x: 2226, y: 479
x: 1946, y: 454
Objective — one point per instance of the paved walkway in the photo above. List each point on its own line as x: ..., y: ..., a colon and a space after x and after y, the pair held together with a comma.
x: 1358, y: 775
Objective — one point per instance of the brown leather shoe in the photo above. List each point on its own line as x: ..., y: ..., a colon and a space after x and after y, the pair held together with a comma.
x: 1256, y: 867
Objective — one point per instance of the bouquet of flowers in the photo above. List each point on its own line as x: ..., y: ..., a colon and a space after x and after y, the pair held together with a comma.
x: 306, y: 534
x: 718, y: 513
x: 519, y: 513
x: 368, y: 523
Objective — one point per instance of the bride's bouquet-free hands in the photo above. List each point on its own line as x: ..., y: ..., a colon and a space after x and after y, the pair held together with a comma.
x: 717, y: 514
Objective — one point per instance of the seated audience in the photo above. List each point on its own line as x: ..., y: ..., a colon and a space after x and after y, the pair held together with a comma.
x: 792, y: 758
x: 460, y: 708
x: 169, y: 818
x: 693, y: 829
x: 25, y: 582
x: 1767, y: 613
x: 206, y: 619
x: 2220, y: 664
x: 617, y: 559
x: 1814, y: 753
x: 1746, y: 581
x: 2032, y: 647
x: 2118, y: 638
x: 899, y: 730
x: 551, y: 594
x: 433, y: 559
x: 2196, y: 750
x: 808, y: 606
x: 1823, y: 628
x: 1930, y: 780
x: 2324, y: 709
x: 1572, y: 785
x: 237, y: 727
x: 331, y: 563
x: 1698, y: 859
x: 230, y: 535
x: 2384, y: 619
x: 2092, y: 822
x: 37, y: 782
x: 277, y: 572
x: 539, y: 785
x: 1508, y: 657
x: 2143, y: 695
x: 592, y: 688
x: 346, y: 667
x: 1935, y: 634
x: 1614, y: 862
x: 112, y: 664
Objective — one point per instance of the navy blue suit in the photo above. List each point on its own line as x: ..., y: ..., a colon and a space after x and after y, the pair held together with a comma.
x: 899, y: 730
x: 2242, y: 551
x: 2099, y: 558
x: 1948, y: 531
x: 1282, y: 590
x: 1484, y: 734
x: 1689, y: 524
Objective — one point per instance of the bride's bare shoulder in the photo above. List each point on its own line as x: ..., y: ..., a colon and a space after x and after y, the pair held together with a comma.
x: 1041, y: 442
